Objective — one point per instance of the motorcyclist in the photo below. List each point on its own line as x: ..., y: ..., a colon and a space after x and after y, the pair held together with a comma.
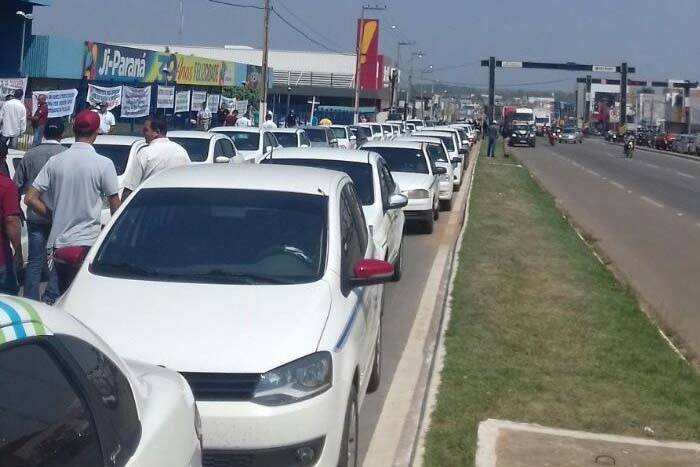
x: 629, y: 142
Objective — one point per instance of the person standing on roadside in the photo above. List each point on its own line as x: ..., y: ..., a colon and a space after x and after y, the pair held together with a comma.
x: 41, y: 116
x: 14, y: 119
x: 39, y: 227
x: 160, y: 154
x: 204, y: 118
x: 493, y: 136
x: 232, y: 118
x: 268, y: 124
x: 107, y: 120
x: 11, y: 260
x: 74, y: 183
x: 291, y: 120
x: 244, y: 121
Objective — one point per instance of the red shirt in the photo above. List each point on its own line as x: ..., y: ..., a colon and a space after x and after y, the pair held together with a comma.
x: 41, y: 116
x: 9, y: 206
x: 231, y: 120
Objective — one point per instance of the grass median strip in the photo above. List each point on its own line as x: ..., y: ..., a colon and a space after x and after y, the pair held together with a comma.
x: 541, y: 332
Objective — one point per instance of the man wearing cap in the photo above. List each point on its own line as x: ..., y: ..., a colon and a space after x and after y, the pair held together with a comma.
x: 107, y: 120
x: 38, y: 227
x: 39, y: 119
x: 160, y: 154
x: 69, y: 190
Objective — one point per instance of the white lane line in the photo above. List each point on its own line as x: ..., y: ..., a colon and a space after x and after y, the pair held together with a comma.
x: 629, y: 191
x: 576, y: 164
x: 652, y: 201
x: 618, y: 185
x: 398, y: 403
x: 683, y: 174
x: 653, y: 166
x: 680, y: 214
x: 593, y: 172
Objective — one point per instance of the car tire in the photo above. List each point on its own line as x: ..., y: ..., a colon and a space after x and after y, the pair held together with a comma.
x: 348, y: 443
x: 398, y: 266
x: 375, y: 376
x: 436, y: 212
x: 446, y: 205
x: 429, y: 226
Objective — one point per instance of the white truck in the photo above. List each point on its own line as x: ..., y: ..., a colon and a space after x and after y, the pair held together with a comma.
x: 543, y: 118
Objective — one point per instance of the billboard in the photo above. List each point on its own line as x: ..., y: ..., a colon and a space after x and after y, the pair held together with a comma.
x: 105, y: 62
x: 204, y: 71
x: 371, y: 63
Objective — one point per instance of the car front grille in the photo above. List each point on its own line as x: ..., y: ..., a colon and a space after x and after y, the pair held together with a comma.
x: 227, y: 459
x: 286, y: 456
x: 222, y: 386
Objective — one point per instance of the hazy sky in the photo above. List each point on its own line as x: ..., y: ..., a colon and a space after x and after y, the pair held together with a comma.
x: 660, y: 38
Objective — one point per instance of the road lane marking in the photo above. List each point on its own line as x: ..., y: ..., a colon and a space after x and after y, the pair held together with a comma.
x: 653, y: 166
x: 680, y: 214
x: 576, y: 164
x: 683, y: 174
x: 629, y: 191
x: 398, y: 403
x: 593, y: 172
x: 652, y: 201
x: 618, y: 185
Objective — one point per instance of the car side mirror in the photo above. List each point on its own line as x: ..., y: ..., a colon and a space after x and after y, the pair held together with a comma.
x: 334, y: 141
x: 222, y: 160
x: 440, y: 171
x: 371, y: 272
x: 463, y: 151
x: 456, y: 160
x: 396, y: 201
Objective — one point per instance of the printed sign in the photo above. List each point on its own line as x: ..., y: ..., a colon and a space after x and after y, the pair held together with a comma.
x: 98, y: 94
x: 511, y: 64
x: 105, y: 62
x: 136, y: 102
x: 242, y: 106
x: 605, y: 69
x: 197, y: 98
x: 9, y: 85
x: 182, y: 102
x: 61, y: 103
x: 204, y: 72
x: 166, y: 97
x: 213, y: 102
x: 228, y: 102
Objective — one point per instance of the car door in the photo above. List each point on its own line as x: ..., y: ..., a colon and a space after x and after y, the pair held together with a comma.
x: 230, y: 151
x: 218, y: 150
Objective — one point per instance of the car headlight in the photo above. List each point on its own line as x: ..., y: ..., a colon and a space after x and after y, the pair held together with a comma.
x: 417, y: 194
x: 296, y: 381
x: 514, y: 135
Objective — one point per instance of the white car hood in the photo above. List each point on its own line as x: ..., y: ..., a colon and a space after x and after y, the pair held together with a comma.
x: 202, y: 327
x: 412, y: 181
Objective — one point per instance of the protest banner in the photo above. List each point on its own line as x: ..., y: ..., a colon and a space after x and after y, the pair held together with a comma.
x: 197, y: 98
x: 166, y: 97
x: 136, y: 102
x: 98, y: 94
x: 9, y: 85
x: 182, y: 102
x: 213, y: 102
x: 228, y: 103
x: 61, y: 103
x: 242, y: 106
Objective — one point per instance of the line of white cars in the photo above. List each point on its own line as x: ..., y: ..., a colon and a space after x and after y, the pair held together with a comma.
x: 260, y: 285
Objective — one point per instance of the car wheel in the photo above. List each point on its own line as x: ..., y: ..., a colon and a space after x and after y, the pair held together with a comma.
x: 446, y: 205
x: 376, y: 376
x: 348, y: 443
x: 398, y: 266
x: 429, y: 226
x: 436, y: 212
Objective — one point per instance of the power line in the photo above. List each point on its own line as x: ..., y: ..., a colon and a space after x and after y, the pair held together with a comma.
x: 304, y: 23
x: 238, y: 5
x: 455, y: 67
x: 309, y: 38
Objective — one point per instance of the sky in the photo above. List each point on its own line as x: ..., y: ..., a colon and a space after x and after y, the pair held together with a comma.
x: 660, y: 39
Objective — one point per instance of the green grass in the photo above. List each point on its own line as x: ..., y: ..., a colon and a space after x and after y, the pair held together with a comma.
x: 542, y: 333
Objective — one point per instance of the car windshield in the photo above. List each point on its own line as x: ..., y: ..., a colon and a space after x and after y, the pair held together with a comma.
x: 244, y: 140
x: 217, y: 236
x: 117, y: 153
x: 339, y: 132
x: 387, y: 128
x: 521, y: 128
x: 402, y: 159
x: 542, y: 120
x: 376, y: 129
x: 359, y: 172
x: 197, y: 148
x: 316, y: 135
x: 287, y: 140
x: 437, y: 153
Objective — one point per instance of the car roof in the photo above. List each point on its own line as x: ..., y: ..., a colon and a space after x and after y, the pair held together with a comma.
x: 393, y: 144
x: 190, y: 134
x: 315, y: 127
x: 286, y: 130
x: 117, y: 140
x: 333, y: 154
x: 421, y: 138
x: 265, y: 177
x: 241, y: 129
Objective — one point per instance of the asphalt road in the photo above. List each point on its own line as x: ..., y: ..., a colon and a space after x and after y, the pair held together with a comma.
x: 401, y: 307
x: 644, y: 214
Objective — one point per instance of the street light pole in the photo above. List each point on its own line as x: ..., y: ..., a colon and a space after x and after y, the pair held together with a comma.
x: 25, y: 17
x: 398, y: 69
x: 358, y: 56
x: 410, y: 78
x: 266, y: 47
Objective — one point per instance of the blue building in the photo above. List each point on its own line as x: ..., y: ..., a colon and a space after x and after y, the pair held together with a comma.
x: 11, y: 24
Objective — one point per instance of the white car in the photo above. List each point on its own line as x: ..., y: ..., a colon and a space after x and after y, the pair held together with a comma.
x: 346, y: 140
x: 380, y: 196
x: 261, y: 285
x: 417, y: 175
x: 439, y: 154
x: 252, y: 143
x: 207, y: 148
x: 417, y: 123
x: 400, y: 123
x: 453, y: 149
x: 67, y: 399
x: 389, y: 133
x: 375, y: 129
x: 291, y: 137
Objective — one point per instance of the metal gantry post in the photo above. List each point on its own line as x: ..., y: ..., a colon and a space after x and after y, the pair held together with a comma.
x: 492, y: 89
x: 587, y: 101
x: 623, y: 96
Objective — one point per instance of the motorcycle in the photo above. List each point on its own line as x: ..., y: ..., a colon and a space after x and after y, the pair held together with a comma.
x: 552, y: 138
x: 629, y: 148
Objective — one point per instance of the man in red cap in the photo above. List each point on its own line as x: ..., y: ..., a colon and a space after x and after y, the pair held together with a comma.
x: 69, y: 190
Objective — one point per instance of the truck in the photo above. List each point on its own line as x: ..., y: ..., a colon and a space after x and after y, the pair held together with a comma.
x: 543, y: 118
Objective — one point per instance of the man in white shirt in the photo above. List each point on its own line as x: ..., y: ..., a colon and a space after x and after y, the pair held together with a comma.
x: 160, y: 154
x: 244, y: 121
x: 268, y: 124
x: 107, y: 120
x: 204, y: 118
x: 14, y: 119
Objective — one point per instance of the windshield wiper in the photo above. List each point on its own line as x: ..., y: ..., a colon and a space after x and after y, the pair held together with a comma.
x: 245, y: 278
x: 128, y: 268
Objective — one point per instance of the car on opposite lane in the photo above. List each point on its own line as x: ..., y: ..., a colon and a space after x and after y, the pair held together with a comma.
x: 251, y: 143
x: 273, y: 276
x: 569, y: 135
x: 523, y: 134
x: 417, y: 175
x: 67, y: 399
x: 380, y: 196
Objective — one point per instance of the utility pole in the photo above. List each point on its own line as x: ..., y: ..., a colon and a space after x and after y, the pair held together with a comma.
x: 623, y: 96
x: 410, y: 80
x: 266, y: 48
x: 358, y: 57
x: 492, y: 90
x: 587, y: 100
x: 25, y: 17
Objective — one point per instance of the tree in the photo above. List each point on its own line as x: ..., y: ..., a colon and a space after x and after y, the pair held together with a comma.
x: 646, y: 90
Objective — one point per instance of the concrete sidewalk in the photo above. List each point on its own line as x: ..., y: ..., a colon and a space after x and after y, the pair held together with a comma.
x: 509, y: 444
